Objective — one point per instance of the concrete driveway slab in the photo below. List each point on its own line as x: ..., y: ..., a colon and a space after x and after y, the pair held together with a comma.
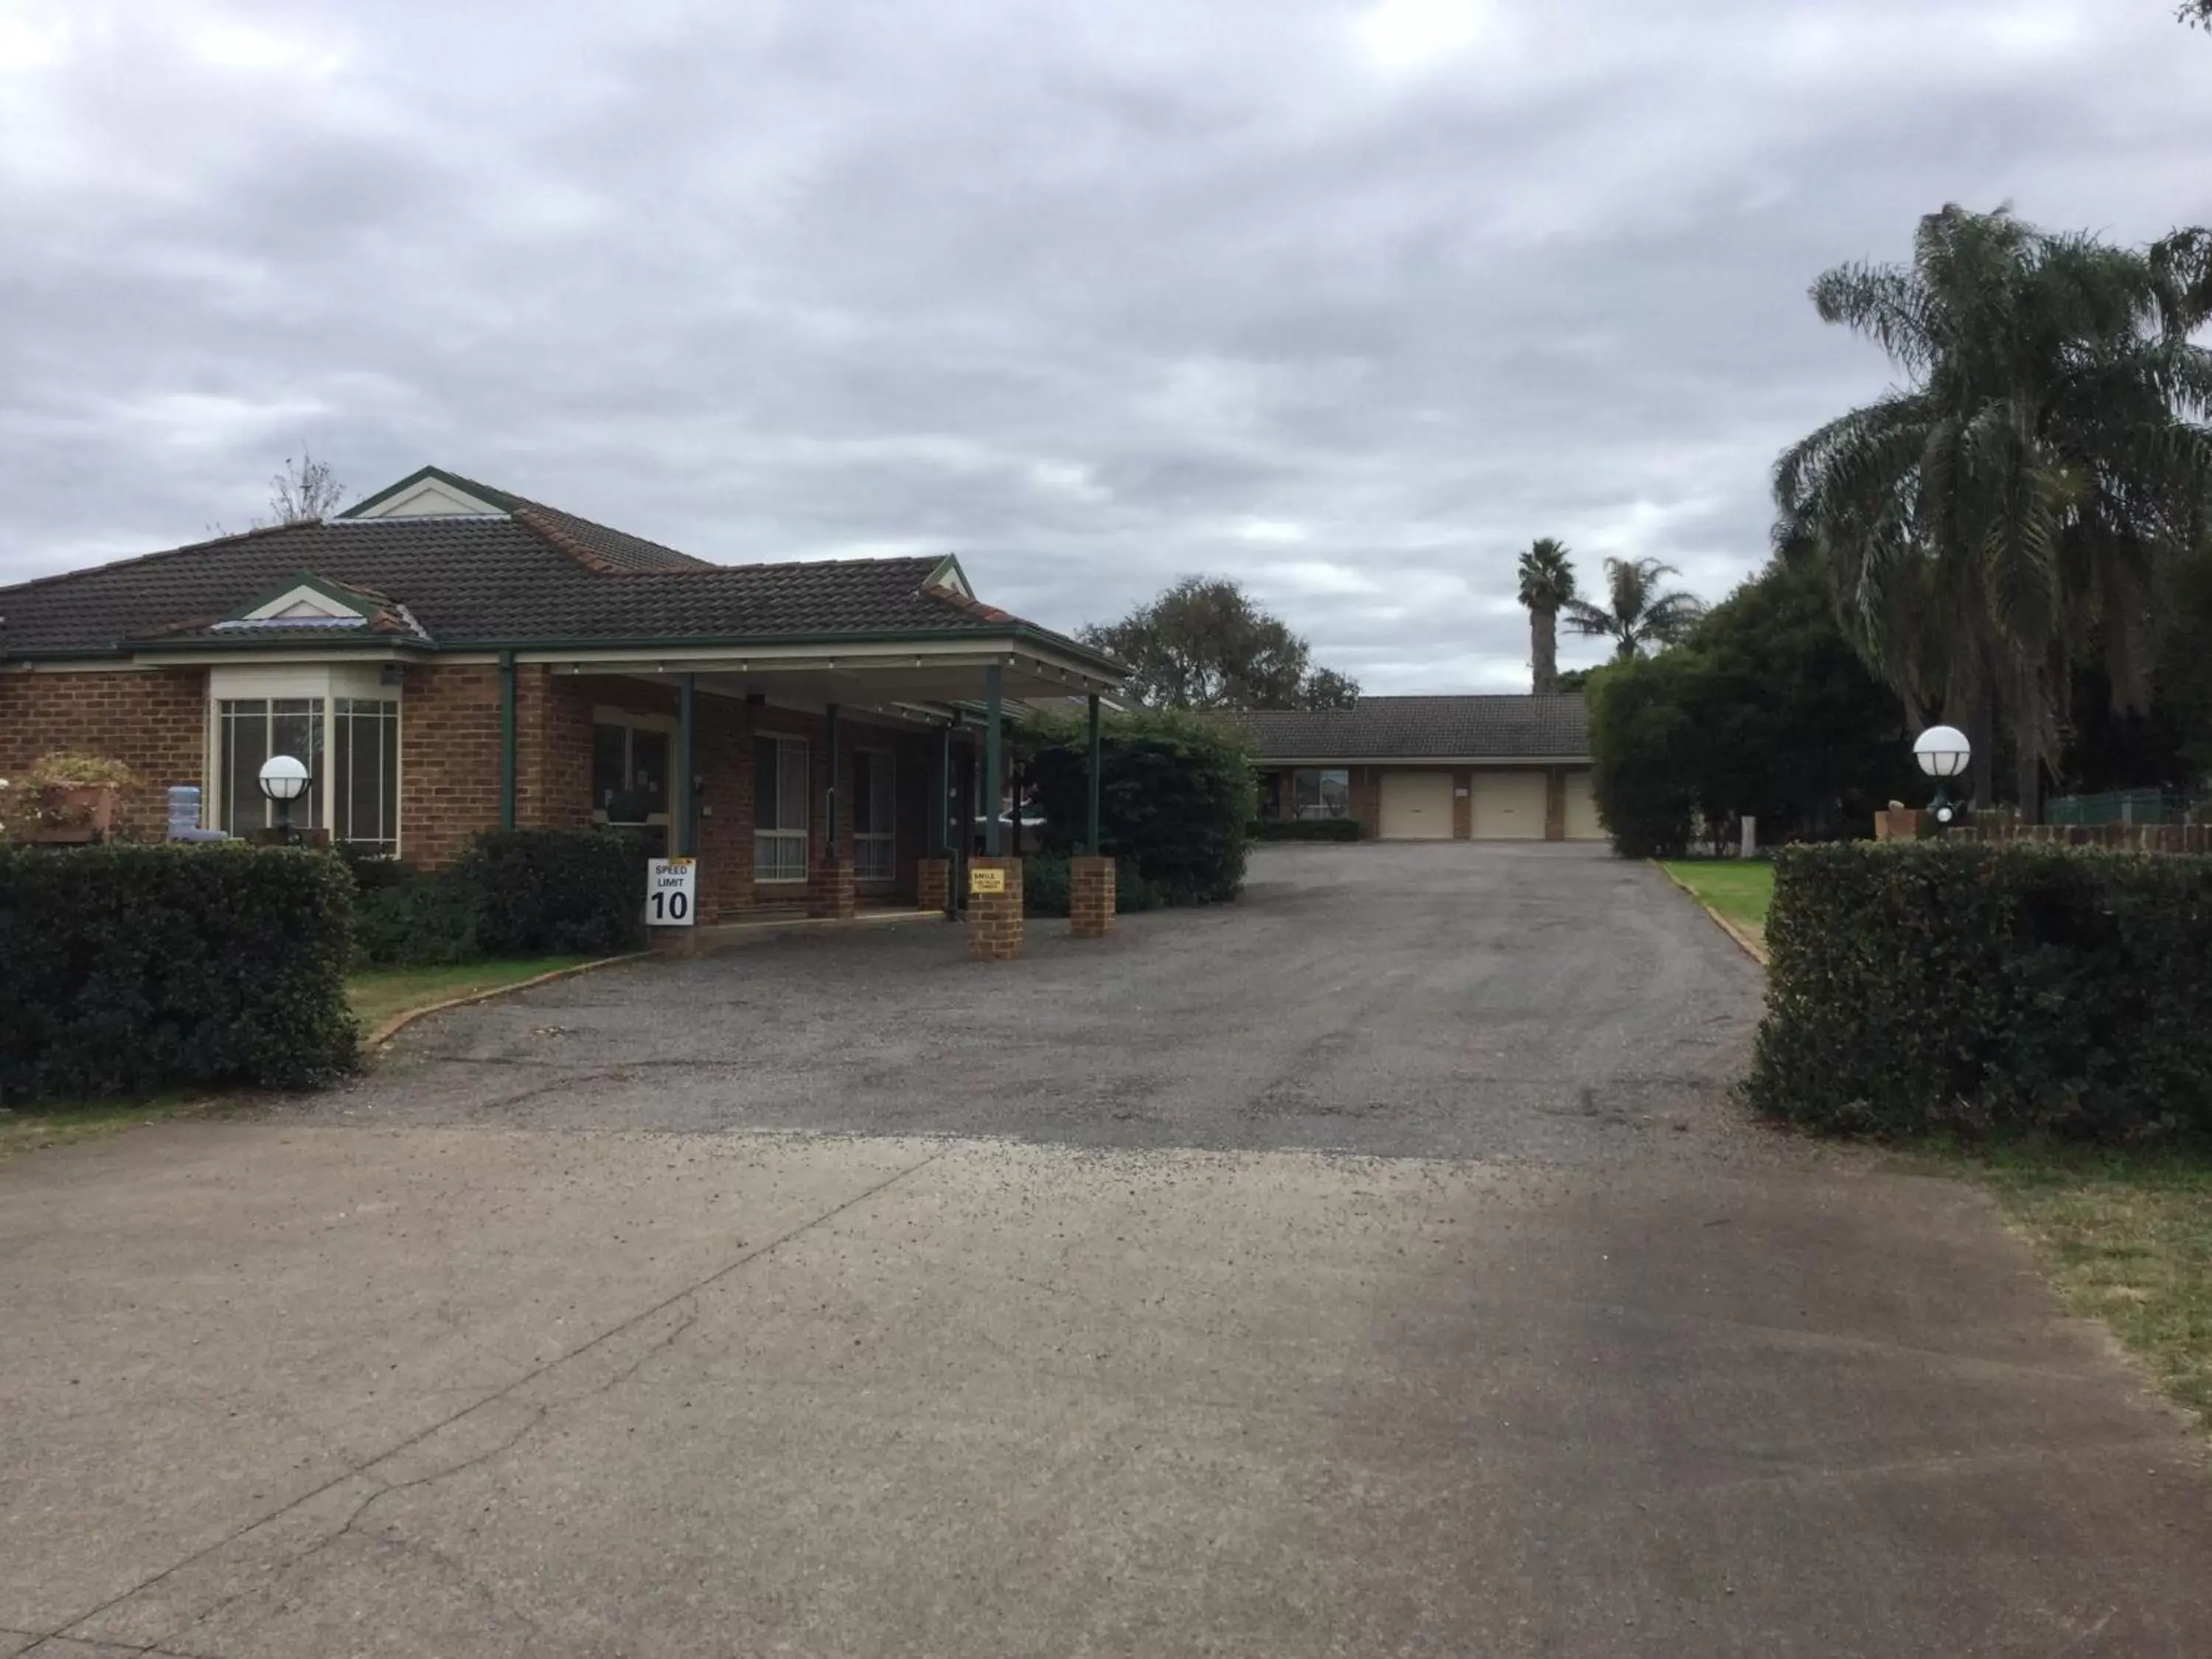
x: 1620, y: 1374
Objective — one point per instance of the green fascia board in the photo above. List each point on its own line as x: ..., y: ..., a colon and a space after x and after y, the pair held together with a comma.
x: 1108, y: 667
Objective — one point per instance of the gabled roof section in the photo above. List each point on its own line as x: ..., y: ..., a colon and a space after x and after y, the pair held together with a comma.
x: 433, y: 492
x: 1555, y: 725
x: 525, y: 576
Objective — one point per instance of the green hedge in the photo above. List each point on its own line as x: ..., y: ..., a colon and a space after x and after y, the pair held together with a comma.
x: 1303, y: 830
x: 1045, y: 887
x: 1942, y: 986
x: 1176, y: 795
x: 513, y: 893
x: 128, y: 968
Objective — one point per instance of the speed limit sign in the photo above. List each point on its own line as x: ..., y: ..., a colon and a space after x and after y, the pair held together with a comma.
x: 669, y: 894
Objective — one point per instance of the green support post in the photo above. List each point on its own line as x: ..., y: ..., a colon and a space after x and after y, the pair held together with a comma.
x: 932, y: 828
x: 829, y: 795
x: 506, y: 696
x: 993, y: 778
x: 1093, y: 780
x: 687, y: 749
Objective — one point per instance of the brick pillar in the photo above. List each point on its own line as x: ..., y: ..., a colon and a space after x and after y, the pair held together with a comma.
x: 932, y: 884
x: 994, y: 920
x: 1090, y: 896
x: 1555, y: 804
x: 830, y: 888
x: 1900, y: 825
x: 1462, y: 804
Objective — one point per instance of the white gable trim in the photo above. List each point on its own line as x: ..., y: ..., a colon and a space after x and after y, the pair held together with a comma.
x: 304, y: 603
x: 432, y: 498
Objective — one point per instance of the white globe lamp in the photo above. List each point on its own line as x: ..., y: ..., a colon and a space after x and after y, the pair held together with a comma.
x: 1942, y: 753
x: 283, y: 780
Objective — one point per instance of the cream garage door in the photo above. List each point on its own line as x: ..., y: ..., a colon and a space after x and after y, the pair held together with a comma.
x: 1417, y: 805
x: 1582, y: 809
x: 1509, y: 806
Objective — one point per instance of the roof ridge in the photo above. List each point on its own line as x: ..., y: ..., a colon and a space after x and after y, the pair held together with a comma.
x: 531, y: 518
x: 258, y: 531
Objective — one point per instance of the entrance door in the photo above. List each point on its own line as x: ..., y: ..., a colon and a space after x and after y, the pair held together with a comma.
x: 1582, y: 809
x: 1417, y: 805
x: 1509, y: 806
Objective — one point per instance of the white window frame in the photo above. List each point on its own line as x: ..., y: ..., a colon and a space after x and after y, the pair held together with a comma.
x: 875, y: 853
x: 607, y: 715
x: 782, y: 836
x: 326, y: 685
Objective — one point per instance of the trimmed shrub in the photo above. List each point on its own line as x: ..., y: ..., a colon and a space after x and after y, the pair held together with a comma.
x: 1941, y: 985
x: 1132, y: 892
x: 541, y: 892
x: 422, y: 922
x: 133, y: 967
x: 1045, y: 885
x: 1303, y: 830
x: 1176, y: 795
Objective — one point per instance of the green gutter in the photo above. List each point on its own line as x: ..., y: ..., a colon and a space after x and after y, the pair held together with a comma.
x: 310, y: 640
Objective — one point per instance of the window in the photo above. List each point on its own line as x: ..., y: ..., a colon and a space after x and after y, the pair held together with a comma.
x: 365, y: 793
x: 630, y: 771
x: 355, y: 797
x: 875, y: 836
x: 780, y: 809
x: 1319, y: 794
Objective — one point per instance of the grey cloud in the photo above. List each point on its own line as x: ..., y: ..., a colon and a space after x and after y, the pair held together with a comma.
x: 1096, y: 295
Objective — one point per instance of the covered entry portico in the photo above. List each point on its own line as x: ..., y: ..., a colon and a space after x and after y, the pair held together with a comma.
x: 828, y: 772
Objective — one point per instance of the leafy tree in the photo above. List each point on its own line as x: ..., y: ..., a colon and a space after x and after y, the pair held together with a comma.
x: 1204, y: 644
x: 2021, y: 493
x: 1639, y: 614
x: 1176, y: 793
x: 1643, y: 750
x: 2196, y: 13
x: 1548, y: 586
x: 1764, y: 710
x: 305, y: 491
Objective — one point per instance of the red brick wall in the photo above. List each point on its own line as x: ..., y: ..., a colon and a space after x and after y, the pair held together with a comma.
x: 154, y: 721
x: 449, y: 759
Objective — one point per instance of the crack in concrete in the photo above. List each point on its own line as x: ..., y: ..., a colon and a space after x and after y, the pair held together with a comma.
x: 361, y: 1470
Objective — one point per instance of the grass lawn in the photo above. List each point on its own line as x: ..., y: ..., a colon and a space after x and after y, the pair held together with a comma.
x: 2126, y: 1237
x: 379, y: 995
x: 1740, y: 889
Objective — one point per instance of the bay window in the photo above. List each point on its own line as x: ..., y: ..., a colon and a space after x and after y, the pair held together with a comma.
x: 349, y: 745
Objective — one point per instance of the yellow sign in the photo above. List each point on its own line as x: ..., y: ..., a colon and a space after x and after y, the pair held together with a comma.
x: 986, y: 881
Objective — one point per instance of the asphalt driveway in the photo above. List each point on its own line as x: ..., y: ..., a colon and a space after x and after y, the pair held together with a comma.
x: 1524, y: 1001
x: 1374, y: 1267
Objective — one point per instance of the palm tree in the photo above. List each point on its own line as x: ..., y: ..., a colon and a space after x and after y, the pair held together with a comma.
x: 1548, y: 586
x: 2018, y: 498
x: 1637, y: 615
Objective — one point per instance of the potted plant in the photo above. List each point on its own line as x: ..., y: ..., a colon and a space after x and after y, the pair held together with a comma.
x: 73, y: 796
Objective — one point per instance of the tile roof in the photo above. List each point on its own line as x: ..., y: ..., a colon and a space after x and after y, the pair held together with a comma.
x: 530, y: 577
x: 595, y: 545
x: 1510, y: 726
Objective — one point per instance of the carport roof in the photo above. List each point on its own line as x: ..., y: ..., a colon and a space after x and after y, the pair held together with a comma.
x: 1526, y: 727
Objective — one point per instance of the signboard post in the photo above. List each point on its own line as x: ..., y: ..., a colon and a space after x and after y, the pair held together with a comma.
x: 670, y: 892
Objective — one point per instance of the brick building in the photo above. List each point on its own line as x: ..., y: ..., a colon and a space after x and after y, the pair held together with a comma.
x: 1506, y: 767
x: 448, y: 658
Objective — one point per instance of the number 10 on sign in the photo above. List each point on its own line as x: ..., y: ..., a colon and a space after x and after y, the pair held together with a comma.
x: 670, y: 897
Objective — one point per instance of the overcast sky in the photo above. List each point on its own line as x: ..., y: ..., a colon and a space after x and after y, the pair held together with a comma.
x: 1350, y: 301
